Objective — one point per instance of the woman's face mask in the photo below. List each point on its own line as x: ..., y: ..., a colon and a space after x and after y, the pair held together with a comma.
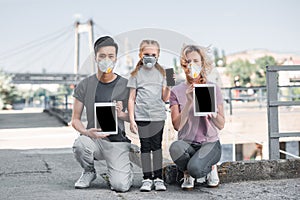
x: 149, y: 61
x: 194, y: 69
x: 106, y: 65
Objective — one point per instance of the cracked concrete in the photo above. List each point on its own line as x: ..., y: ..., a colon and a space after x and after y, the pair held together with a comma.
x: 60, y: 171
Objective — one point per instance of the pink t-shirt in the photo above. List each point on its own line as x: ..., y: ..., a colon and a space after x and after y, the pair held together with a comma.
x: 197, y: 129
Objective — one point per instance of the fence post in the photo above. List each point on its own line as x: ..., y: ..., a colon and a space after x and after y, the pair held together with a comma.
x: 230, y: 101
x: 66, y: 102
x: 273, y: 129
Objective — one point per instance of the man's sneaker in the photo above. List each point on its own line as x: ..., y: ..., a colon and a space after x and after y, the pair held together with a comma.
x: 159, y: 185
x: 85, y: 180
x: 213, y: 178
x: 147, y: 185
x: 188, y: 182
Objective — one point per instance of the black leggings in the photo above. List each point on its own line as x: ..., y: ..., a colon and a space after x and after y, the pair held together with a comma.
x: 150, y: 134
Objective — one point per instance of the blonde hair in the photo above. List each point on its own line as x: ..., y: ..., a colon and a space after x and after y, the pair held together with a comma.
x: 143, y: 44
x: 206, y: 62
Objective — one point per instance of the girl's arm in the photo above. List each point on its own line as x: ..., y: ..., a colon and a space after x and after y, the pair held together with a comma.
x: 131, y: 102
x: 165, y: 93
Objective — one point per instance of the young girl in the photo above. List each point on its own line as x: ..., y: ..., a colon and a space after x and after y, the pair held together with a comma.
x: 198, y: 148
x: 146, y: 108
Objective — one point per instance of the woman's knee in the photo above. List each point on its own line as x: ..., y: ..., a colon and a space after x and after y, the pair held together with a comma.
x: 177, y: 149
x: 197, y: 170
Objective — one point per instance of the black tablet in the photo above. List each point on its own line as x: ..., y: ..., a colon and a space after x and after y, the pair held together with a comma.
x: 204, y: 99
x: 106, y: 118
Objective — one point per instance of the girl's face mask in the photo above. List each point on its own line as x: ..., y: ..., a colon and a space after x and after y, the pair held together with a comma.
x: 106, y: 65
x: 194, y: 69
x: 149, y: 61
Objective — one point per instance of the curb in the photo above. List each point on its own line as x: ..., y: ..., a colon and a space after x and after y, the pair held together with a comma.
x: 239, y: 171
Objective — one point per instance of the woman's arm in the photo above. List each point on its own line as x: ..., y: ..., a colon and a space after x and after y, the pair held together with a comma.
x: 179, y: 119
x: 219, y: 119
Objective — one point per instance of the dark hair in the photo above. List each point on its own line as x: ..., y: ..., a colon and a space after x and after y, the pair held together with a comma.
x: 104, y: 42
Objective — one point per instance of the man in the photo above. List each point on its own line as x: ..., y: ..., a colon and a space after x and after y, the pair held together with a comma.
x: 104, y: 86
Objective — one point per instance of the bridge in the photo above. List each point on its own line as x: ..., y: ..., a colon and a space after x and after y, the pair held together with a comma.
x: 30, y: 78
x: 36, y: 150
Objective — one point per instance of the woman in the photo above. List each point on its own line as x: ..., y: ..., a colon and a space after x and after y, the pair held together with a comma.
x: 198, y: 148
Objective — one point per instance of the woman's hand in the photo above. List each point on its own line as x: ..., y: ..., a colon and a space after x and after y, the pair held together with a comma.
x: 92, y: 133
x: 189, y: 93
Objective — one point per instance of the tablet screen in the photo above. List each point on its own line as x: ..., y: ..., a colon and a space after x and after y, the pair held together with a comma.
x: 106, y: 118
x: 204, y: 99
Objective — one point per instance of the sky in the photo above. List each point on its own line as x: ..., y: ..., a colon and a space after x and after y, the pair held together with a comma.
x: 231, y: 25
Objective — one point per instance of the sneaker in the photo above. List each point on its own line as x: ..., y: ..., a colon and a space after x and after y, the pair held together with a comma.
x: 85, y: 180
x: 159, y: 185
x: 147, y: 185
x: 188, y: 182
x: 213, y: 178
x: 201, y: 180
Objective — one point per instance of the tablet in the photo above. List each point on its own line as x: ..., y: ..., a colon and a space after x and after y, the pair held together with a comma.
x: 106, y: 118
x: 204, y: 99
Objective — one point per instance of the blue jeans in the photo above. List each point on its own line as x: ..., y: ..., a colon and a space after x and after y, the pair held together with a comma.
x: 197, y: 159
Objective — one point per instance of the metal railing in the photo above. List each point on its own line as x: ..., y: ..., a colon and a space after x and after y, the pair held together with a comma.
x: 60, y: 106
x: 272, y: 105
x: 257, y: 94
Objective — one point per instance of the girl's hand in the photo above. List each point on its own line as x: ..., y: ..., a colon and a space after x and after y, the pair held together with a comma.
x: 92, y: 133
x: 133, y: 127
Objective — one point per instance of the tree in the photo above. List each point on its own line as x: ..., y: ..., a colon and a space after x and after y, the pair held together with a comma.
x: 260, y: 73
x: 8, y: 92
x: 242, y: 69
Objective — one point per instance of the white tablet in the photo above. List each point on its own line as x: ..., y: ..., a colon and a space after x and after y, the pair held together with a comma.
x: 106, y: 118
x: 204, y: 99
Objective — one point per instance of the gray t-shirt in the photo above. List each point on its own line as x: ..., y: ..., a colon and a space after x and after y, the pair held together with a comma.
x: 90, y: 90
x: 149, y: 105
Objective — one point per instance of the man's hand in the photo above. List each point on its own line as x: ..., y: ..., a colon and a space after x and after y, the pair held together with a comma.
x: 92, y: 132
x: 133, y: 127
x: 119, y: 108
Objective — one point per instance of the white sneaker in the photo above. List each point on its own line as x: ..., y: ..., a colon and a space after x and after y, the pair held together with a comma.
x: 85, y: 180
x: 201, y: 180
x: 159, y: 185
x: 213, y: 177
x: 147, y: 185
x: 188, y: 182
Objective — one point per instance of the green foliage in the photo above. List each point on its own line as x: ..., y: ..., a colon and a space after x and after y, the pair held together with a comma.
x: 241, y: 68
x: 8, y: 92
x: 260, y: 73
x: 255, y: 74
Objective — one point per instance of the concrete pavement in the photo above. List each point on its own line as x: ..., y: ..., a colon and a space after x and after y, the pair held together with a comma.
x: 36, y: 162
x: 51, y: 174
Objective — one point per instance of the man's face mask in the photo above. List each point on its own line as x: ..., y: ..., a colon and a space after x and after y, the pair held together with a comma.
x: 194, y: 69
x: 106, y: 65
x: 149, y: 61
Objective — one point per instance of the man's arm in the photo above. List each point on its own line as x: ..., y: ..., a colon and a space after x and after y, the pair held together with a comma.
x: 77, y: 123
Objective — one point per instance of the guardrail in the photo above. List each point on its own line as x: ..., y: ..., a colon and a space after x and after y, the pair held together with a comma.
x: 257, y: 94
x: 60, y: 106
x: 273, y: 103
